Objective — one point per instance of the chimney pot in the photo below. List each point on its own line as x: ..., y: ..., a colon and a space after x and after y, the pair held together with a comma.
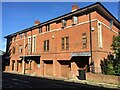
x: 75, y: 7
x: 36, y: 22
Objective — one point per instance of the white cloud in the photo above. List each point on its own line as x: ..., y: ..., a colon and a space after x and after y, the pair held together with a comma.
x: 3, y: 46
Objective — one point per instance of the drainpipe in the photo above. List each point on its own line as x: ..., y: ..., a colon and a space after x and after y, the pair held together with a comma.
x: 24, y: 57
x: 31, y: 43
x: 90, y: 26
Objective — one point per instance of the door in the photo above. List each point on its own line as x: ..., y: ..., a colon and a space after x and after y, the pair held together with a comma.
x: 48, y: 68
x: 65, y: 68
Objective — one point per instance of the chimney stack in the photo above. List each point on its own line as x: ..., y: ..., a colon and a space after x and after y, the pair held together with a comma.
x: 36, y: 22
x: 75, y: 7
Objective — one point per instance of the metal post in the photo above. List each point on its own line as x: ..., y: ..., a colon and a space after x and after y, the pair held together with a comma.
x: 31, y: 43
x: 23, y: 64
x: 24, y: 57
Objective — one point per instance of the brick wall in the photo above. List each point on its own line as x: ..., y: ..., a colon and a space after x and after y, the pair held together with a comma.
x: 75, y: 42
x: 103, y: 78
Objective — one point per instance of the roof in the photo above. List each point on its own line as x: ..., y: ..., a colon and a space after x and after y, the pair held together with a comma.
x: 85, y: 10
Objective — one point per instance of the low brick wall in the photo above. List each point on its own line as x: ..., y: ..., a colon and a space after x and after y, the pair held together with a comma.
x: 103, y: 78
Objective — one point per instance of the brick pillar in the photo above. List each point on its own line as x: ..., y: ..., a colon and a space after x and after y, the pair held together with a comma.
x: 41, y: 66
x: 29, y: 64
x: 32, y: 64
x: 10, y: 65
x: 14, y: 66
x: 23, y: 67
x: 56, y: 68
x: 74, y: 70
x: 19, y: 67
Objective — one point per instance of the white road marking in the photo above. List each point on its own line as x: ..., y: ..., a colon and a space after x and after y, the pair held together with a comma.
x: 20, y: 80
x: 21, y: 85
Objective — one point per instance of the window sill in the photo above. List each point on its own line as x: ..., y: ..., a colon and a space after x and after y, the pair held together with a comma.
x: 28, y: 69
x: 64, y: 49
x: 46, y: 51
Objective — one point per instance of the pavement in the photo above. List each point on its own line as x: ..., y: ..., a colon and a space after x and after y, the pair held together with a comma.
x: 85, y: 82
x: 105, y: 85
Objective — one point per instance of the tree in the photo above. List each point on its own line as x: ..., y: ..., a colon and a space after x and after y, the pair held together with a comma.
x: 116, y: 47
x: 107, y: 65
x: 111, y: 65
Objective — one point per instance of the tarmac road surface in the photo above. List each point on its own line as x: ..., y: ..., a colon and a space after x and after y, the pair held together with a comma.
x: 14, y: 81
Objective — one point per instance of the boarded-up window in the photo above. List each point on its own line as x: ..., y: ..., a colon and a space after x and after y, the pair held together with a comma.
x: 84, y: 40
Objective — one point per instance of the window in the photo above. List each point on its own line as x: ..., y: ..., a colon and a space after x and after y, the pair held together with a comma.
x: 84, y: 40
x: 75, y: 20
x: 111, y: 24
x: 29, y: 45
x: 46, y: 45
x: 20, y: 35
x: 14, y: 38
x: 20, y: 49
x: 25, y: 34
x: 63, y: 23
x: 34, y: 44
x: 65, y: 43
x: 40, y: 30
x: 100, y: 35
x: 13, y: 50
x: 48, y: 27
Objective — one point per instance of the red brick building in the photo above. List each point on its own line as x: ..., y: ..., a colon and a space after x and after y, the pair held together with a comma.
x: 64, y: 45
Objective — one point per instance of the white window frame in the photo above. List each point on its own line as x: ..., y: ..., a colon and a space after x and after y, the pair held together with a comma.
x: 111, y: 23
x: 40, y: 29
x: 47, y: 27
x: 20, y: 47
x: 25, y: 34
x: 64, y: 21
x: 29, y: 44
x: 75, y: 19
x: 46, y: 45
x: 100, y: 42
x: 34, y: 44
x: 20, y: 35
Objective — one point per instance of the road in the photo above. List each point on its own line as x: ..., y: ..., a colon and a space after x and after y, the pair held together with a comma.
x: 13, y: 81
